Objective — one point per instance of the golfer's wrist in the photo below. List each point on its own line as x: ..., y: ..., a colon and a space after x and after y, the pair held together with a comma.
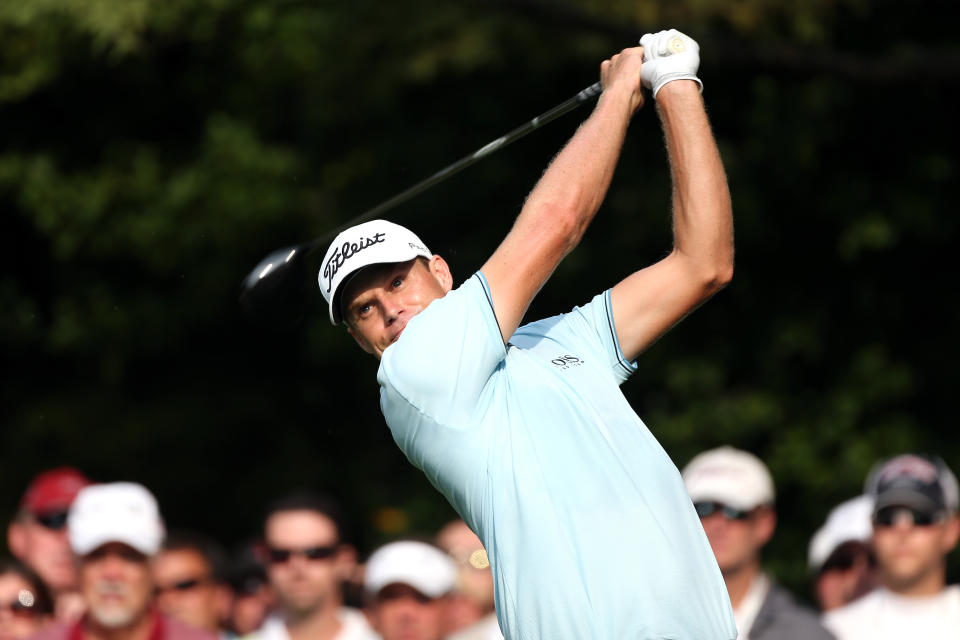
x: 677, y: 91
x: 621, y: 94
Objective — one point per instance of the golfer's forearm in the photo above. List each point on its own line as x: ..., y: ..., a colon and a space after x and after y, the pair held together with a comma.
x: 702, y: 215
x: 574, y: 185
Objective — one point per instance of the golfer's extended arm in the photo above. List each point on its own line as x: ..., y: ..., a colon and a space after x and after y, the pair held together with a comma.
x: 647, y: 303
x: 558, y: 209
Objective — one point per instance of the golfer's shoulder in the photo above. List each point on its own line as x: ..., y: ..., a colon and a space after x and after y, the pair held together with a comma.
x: 446, y: 352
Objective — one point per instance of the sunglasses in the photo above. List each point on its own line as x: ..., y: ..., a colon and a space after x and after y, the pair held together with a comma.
x: 890, y: 516
x: 707, y: 509
x: 279, y: 556
x: 54, y: 521
x: 180, y: 586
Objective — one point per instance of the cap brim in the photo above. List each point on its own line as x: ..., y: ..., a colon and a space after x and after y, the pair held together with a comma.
x: 906, y: 498
x: 95, y: 542
x: 336, y: 311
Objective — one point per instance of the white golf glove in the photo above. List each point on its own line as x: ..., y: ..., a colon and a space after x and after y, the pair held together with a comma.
x: 668, y: 56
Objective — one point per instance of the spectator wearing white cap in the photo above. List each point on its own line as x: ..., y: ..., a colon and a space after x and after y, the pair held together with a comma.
x: 915, y: 527
x: 732, y: 492
x: 114, y: 530
x: 407, y: 584
x: 840, y: 556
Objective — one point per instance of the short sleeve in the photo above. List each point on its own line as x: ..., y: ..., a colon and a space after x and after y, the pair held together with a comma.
x: 600, y: 314
x: 446, y: 354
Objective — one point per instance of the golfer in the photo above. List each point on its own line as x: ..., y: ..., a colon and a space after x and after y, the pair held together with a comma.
x: 589, y: 530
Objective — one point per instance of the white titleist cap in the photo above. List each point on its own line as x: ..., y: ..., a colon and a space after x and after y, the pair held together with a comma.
x: 118, y: 512
x: 848, y: 521
x: 730, y: 476
x: 374, y: 242
x: 417, y: 564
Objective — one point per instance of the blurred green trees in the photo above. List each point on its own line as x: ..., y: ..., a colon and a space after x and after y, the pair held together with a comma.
x: 151, y: 152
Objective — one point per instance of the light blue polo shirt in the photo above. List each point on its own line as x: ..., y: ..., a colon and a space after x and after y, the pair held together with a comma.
x: 590, y: 532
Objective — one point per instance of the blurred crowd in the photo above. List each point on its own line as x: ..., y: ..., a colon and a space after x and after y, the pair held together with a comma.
x: 95, y: 561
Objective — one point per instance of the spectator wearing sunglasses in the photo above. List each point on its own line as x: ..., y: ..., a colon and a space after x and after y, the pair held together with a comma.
x: 840, y: 555
x: 732, y: 492
x: 189, y: 581
x: 408, y: 584
x: 38, y: 536
x: 114, y: 530
x: 308, y: 561
x: 915, y: 527
x: 25, y: 605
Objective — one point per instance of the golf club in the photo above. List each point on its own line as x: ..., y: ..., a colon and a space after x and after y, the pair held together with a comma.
x: 273, y: 291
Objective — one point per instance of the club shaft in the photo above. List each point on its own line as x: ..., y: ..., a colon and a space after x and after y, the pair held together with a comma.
x: 461, y: 164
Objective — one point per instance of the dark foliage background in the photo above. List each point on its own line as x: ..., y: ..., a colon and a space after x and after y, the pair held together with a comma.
x: 152, y: 152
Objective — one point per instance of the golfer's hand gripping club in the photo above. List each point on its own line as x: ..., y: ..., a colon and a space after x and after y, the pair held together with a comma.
x: 668, y: 56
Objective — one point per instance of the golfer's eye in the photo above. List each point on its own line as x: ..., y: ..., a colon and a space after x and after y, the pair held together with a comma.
x: 397, y: 282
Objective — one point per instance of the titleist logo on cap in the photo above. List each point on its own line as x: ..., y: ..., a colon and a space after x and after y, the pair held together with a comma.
x: 346, y: 251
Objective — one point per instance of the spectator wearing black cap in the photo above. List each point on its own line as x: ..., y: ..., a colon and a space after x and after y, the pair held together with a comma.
x: 114, y: 530
x: 915, y: 527
x: 189, y: 582
x: 252, y: 598
x: 408, y: 584
x: 25, y: 605
x: 38, y: 536
x: 732, y: 492
x: 840, y: 555
x: 307, y: 562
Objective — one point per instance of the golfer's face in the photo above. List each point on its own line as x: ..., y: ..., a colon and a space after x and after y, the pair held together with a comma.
x: 380, y: 301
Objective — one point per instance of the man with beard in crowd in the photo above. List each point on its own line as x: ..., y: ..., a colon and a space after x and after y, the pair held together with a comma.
x: 114, y: 530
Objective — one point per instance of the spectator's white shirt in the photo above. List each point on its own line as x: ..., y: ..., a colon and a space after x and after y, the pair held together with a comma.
x: 484, y: 629
x: 746, y: 613
x: 355, y: 627
x: 882, y: 615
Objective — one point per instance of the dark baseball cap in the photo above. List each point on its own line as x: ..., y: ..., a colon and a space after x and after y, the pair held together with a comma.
x: 53, y: 490
x: 920, y: 482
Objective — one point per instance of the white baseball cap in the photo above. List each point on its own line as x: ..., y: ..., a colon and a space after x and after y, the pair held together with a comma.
x: 417, y: 564
x: 373, y: 242
x: 730, y: 476
x: 117, y: 512
x: 848, y: 521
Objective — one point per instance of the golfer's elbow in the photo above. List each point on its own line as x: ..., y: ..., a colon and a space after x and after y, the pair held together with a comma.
x: 564, y: 225
x: 717, y: 275
x: 707, y: 274
x: 722, y: 276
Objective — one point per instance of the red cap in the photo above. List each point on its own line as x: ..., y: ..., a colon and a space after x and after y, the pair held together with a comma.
x: 53, y: 490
